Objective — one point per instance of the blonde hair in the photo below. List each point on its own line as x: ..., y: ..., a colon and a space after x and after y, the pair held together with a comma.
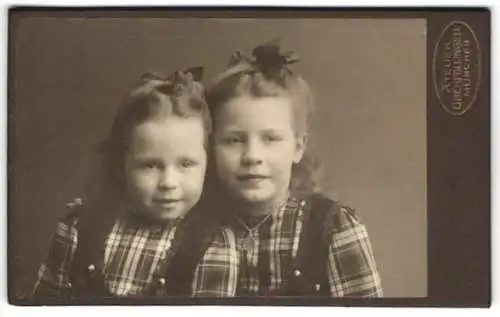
x: 269, y: 75
x: 153, y: 97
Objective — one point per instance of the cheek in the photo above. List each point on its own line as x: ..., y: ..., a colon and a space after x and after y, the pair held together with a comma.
x: 193, y: 179
x: 225, y: 159
x: 131, y: 175
x: 282, y: 159
x: 284, y: 152
x: 139, y: 182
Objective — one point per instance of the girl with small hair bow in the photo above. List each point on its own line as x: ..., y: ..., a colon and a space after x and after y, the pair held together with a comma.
x: 293, y: 240
x: 139, y: 231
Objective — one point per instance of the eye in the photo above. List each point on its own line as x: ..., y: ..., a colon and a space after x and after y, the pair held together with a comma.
x: 232, y: 139
x: 149, y: 165
x: 187, y: 163
x: 271, y: 138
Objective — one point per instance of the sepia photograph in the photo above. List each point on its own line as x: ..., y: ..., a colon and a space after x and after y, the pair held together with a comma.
x: 218, y: 157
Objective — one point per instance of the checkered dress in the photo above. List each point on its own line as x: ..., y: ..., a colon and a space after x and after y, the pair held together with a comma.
x: 132, y: 257
x: 267, y: 260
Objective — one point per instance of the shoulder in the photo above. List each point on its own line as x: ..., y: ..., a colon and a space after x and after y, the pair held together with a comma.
x: 68, y: 222
x: 224, y: 237
x: 74, y: 209
x: 338, y: 217
x: 222, y: 251
x: 65, y: 237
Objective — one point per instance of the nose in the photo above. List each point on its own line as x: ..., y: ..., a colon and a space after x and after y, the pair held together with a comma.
x: 168, y: 178
x: 252, y: 154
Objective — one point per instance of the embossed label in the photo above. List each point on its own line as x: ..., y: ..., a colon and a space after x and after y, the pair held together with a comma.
x: 457, y: 67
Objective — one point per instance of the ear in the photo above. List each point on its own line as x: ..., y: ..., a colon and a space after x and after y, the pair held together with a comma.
x: 300, y: 147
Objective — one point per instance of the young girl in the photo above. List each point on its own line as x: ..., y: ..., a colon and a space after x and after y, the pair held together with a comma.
x: 139, y: 232
x: 293, y: 240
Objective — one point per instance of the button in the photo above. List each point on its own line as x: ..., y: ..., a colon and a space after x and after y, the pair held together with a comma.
x: 297, y: 273
x: 317, y: 287
x: 91, y: 268
x: 162, y: 281
x: 303, y: 203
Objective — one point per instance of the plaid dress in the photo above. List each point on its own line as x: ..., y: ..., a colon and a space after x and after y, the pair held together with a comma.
x: 266, y: 261
x: 133, y: 254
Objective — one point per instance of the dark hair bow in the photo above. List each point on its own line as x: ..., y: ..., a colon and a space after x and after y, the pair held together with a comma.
x: 268, y: 58
x: 178, y: 82
x: 268, y: 55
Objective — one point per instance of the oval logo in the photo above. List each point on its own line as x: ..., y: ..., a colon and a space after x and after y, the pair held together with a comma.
x: 456, y: 67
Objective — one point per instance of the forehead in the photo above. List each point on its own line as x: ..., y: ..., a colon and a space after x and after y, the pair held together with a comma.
x: 254, y: 112
x: 170, y: 134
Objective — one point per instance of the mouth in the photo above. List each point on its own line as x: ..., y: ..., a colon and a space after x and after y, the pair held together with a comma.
x: 166, y: 202
x: 251, y: 177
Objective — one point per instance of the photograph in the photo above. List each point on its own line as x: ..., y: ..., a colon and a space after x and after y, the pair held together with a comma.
x: 217, y: 157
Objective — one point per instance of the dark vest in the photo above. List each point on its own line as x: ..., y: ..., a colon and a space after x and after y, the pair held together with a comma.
x: 192, y: 237
x: 307, y: 277
x: 308, y: 274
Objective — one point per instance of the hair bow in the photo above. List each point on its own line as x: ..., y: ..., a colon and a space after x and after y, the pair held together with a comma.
x: 268, y: 55
x: 178, y: 82
x: 267, y: 58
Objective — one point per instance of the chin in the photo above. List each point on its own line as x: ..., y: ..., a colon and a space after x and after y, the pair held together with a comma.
x: 165, y: 216
x: 256, y: 197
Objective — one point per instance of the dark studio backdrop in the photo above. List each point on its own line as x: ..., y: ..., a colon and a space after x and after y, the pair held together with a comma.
x: 369, y: 76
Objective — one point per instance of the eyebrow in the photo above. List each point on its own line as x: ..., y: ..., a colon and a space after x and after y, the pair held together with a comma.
x: 147, y: 160
x: 239, y: 131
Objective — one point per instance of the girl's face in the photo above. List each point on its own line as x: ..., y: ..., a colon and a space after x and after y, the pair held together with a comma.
x: 165, y: 166
x: 255, y: 146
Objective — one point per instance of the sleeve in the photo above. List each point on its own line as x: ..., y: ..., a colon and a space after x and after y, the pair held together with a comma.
x: 53, y: 275
x: 217, y: 273
x: 352, y: 271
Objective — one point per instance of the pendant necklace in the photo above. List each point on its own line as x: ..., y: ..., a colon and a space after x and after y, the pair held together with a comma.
x: 252, y: 233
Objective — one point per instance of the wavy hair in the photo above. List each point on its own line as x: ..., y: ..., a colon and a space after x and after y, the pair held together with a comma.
x: 153, y: 97
x: 269, y: 74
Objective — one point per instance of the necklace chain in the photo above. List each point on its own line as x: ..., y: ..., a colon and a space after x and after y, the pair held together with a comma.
x: 248, y: 240
x: 254, y: 228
